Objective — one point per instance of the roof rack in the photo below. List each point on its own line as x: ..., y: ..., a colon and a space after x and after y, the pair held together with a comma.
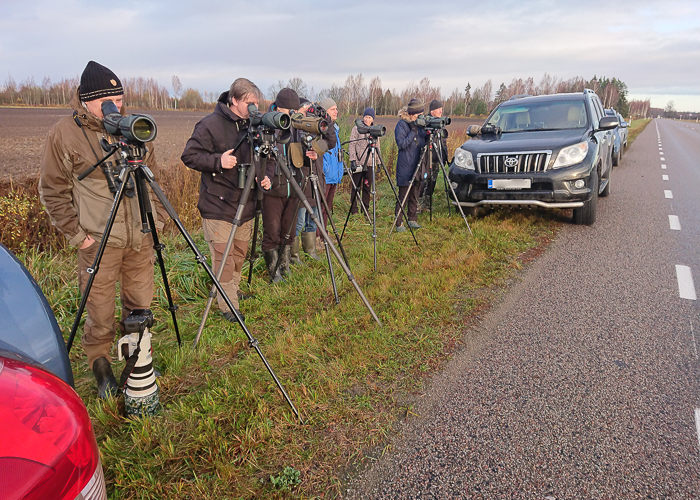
x: 519, y: 96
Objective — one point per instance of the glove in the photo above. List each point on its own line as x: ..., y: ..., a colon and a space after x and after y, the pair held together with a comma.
x: 356, y: 169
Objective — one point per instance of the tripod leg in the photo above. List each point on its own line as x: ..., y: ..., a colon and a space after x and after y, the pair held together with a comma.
x: 317, y: 195
x: 158, y: 247
x: 324, y: 202
x: 253, y: 246
x: 454, y: 195
x: 92, y: 271
x: 220, y: 271
x: 300, y: 194
x: 402, y: 202
x: 202, y: 260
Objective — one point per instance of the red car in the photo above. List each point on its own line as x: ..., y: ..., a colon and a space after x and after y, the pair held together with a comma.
x: 47, y: 445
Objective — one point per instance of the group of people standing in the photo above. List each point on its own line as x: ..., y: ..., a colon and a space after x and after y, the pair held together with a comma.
x: 218, y: 145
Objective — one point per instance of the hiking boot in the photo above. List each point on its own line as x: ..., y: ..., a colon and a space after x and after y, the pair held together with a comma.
x: 229, y: 316
x: 308, y: 243
x: 271, y: 262
x: 400, y: 229
x: 106, y: 383
x: 414, y: 224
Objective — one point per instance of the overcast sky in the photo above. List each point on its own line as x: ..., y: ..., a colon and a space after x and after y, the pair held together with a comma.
x: 653, y: 46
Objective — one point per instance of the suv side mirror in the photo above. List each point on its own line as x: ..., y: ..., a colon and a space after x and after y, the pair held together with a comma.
x: 608, y: 123
x: 624, y: 124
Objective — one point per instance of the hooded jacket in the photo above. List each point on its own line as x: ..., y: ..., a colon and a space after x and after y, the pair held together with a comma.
x: 333, y: 166
x: 358, y: 147
x: 82, y: 208
x: 410, y: 140
x: 213, y: 135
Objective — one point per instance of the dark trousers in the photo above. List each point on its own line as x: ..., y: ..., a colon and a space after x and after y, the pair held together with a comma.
x: 279, y: 219
x: 365, y: 187
x: 411, y: 206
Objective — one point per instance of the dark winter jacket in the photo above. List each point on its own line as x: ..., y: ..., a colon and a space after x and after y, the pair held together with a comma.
x: 333, y: 166
x: 410, y: 140
x: 214, y: 134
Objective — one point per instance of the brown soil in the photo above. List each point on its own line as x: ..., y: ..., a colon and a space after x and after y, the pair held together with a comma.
x: 23, y: 131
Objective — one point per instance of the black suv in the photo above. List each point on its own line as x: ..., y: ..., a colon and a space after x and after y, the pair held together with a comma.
x: 551, y: 151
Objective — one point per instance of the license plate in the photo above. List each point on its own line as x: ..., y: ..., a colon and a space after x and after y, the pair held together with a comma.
x: 510, y: 183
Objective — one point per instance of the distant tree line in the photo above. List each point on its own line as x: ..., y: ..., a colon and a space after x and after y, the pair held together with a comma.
x: 352, y: 97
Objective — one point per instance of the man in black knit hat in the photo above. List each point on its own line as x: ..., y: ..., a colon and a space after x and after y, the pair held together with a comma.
x: 428, y: 184
x: 80, y: 209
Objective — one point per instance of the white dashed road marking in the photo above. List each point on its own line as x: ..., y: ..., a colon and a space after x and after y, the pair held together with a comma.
x: 663, y: 165
x: 674, y: 222
x: 664, y: 177
x: 686, y: 287
x: 668, y: 194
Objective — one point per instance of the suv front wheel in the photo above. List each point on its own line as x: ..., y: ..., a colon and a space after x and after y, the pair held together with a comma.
x: 587, y: 213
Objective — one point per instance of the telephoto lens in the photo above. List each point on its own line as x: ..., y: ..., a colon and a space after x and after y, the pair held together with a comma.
x: 134, y: 128
x: 141, y: 395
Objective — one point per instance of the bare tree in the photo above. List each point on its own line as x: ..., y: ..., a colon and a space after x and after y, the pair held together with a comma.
x: 274, y: 89
x: 177, y: 89
x: 298, y: 85
x: 375, y: 92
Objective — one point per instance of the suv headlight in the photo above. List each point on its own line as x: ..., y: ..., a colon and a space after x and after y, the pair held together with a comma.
x: 571, y: 155
x: 463, y: 159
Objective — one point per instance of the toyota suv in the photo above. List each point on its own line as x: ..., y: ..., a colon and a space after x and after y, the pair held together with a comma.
x: 551, y: 151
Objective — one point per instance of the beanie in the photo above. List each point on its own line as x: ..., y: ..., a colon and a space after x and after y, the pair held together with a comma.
x: 368, y: 112
x: 97, y: 82
x: 435, y: 104
x: 328, y: 103
x: 415, y: 107
x: 288, y: 99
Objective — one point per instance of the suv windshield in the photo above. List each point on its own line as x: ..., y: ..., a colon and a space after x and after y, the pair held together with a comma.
x: 544, y: 115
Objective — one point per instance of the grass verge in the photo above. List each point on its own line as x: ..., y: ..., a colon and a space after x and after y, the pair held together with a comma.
x: 226, y: 432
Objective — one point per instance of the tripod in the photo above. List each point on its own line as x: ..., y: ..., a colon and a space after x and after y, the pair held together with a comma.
x: 427, y: 156
x: 371, y: 152
x: 133, y: 169
x: 326, y: 238
x: 258, y: 167
x: 436, y: 144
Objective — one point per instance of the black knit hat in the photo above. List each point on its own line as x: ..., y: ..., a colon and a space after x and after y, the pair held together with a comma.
x: 435, y: 104
x: 415, y: 107
x: 97, y: 82
x: 368, y: 112
x: 288, y: 99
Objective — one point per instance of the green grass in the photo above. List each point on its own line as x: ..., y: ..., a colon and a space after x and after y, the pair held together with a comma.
x: 226, y: 431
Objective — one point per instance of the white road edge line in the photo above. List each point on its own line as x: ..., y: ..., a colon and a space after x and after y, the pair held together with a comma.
x: 697, y: 423
x: 686, y: 287
x: 674, y: 222
x: 668, y: 193
x: 695, y: 346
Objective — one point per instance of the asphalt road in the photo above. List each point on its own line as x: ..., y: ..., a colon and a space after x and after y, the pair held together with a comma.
x: 583, y: 381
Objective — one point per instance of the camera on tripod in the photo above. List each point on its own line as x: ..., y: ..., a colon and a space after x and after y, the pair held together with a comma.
x: 373, y: 130
x: 432, y: 122
x: 263, y: 127
x: 136, y: 129
x: 310, y: 123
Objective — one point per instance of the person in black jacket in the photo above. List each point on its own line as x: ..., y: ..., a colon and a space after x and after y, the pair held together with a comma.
x: 281, y: 202
x: 428, y: 184
x: 410, y: 140
x: 210, y: 150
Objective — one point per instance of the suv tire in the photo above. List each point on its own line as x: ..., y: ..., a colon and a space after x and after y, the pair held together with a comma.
x: 586, y: 214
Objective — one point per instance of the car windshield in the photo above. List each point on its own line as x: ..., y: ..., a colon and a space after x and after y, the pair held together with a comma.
x: 543, y: 115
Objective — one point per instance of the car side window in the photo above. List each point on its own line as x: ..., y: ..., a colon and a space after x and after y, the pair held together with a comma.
x: 597, y: 111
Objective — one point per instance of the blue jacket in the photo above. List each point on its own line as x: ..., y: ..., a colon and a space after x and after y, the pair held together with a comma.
x: 333, y: 168
x: 410, y: 142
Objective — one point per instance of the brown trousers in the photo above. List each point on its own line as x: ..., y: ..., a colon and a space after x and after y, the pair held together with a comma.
x: 217, y: 232
x: 134, y: 272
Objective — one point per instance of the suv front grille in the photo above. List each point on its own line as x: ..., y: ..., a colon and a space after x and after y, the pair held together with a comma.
x: 511, y: 163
